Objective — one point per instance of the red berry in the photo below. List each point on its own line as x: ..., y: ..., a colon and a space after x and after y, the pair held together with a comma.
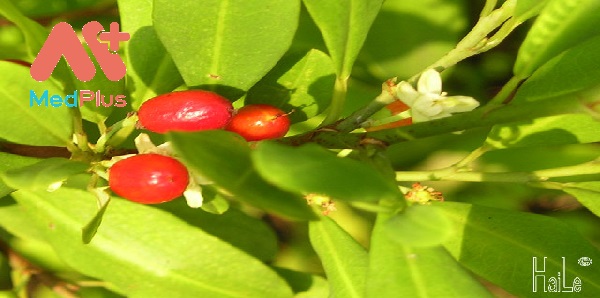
x: 259, y: 122
x: 148, y: 178
x: 191, y: 110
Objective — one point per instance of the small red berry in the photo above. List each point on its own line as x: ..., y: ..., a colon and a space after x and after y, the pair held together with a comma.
x: 259, y: 122
x: 191, y: 110
x: 148, y: 178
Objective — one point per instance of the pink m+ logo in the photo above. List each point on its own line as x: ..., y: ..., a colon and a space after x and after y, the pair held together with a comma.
x: 63, y: 41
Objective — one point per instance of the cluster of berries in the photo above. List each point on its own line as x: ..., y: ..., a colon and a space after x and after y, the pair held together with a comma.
x: 154, y: 178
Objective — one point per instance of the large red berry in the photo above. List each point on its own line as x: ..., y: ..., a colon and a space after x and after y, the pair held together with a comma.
x: 148, y: 178
x: 259, y: 122
x: 191, y: 110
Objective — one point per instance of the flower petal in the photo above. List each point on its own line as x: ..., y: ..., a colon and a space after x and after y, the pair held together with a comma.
x: 406, y: 93
x: 430, y: 81
x: 458, y: 104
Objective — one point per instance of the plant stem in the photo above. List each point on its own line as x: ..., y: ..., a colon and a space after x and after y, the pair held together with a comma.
x: 488, y: 8
x: 337, y: 101
x: 453, y: 174
x: 572, y: 103
x: 386, y: 97
x: 476, y: 40
x: 78, y: 132
x: 504, y: 96
x: 475, y: 154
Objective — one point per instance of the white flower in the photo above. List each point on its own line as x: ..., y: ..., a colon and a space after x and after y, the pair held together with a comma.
x: 428, y: 102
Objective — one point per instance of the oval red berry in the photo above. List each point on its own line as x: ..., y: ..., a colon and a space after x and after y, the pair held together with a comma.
x: 148, y: 178
x: 259, y: 122
x: 191, y: 110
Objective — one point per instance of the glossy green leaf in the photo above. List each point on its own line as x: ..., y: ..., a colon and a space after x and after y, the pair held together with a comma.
x: 561, y: 24
x: 419, y: 226
x: 310, y: 169
x: 26, y: 124
x: 224, y: 158
x: 230, y: 43
x: 15, y: 220
x: 397, y: 270
x: 574, y: 70
x: 91, y: 228
x: 344, y: 260
x: 9, y: 162
x: 150, y: 69
x: 344, y: 25
x: 526, y: 9
x: 43, y: 173
x: 500, y: 245
x: 587, y: 193
x: 167, y: 258
x: 301, y: 85
x: 247, y: 233
x: 555, y: 130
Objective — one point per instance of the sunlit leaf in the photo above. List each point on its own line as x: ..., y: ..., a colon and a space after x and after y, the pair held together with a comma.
x: 163, y: 259
x: 555, y: 130
x: 27, y: 122
x: 499, y: 245
x: 344, y: 26
x: 397, y: 270
x: 574, y: 70
x: 344, y: 260
x: 150, y: 69
x: 230, y: 43
x: 224, y: 158
x: 43, y: 173
x: 310, y: 169
x: 419, y: 226
x: 301, y: 85
x: 560, y: 25
x: 587, y: 193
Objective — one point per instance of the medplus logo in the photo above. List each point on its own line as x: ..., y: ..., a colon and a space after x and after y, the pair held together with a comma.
x: 63, y: 42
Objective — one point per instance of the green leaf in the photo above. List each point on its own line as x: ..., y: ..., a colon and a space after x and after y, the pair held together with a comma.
x: 224, y: 158
x: 310, y: 169
x: 234, y: 44
x: 419, y: 225
x: 247, y: 233
x: 526, y: 9
x: 150, y: 69
x: 344, y: 260
x: 555, y: 130
x: 26, y: 124
x: 344, y: 25
x: 587, y: 193
x: 305, y: 285
x: 91, y: 228
x: 166, y: 258
x: 15, y: 220
x: 561, y: 24
x: 42, y: 174
x: 499, y: 245
x: 303, y: 85
x: 574, y: 70
x: 9, y: 162
x: 34, y: 33
x: 397, y: 270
